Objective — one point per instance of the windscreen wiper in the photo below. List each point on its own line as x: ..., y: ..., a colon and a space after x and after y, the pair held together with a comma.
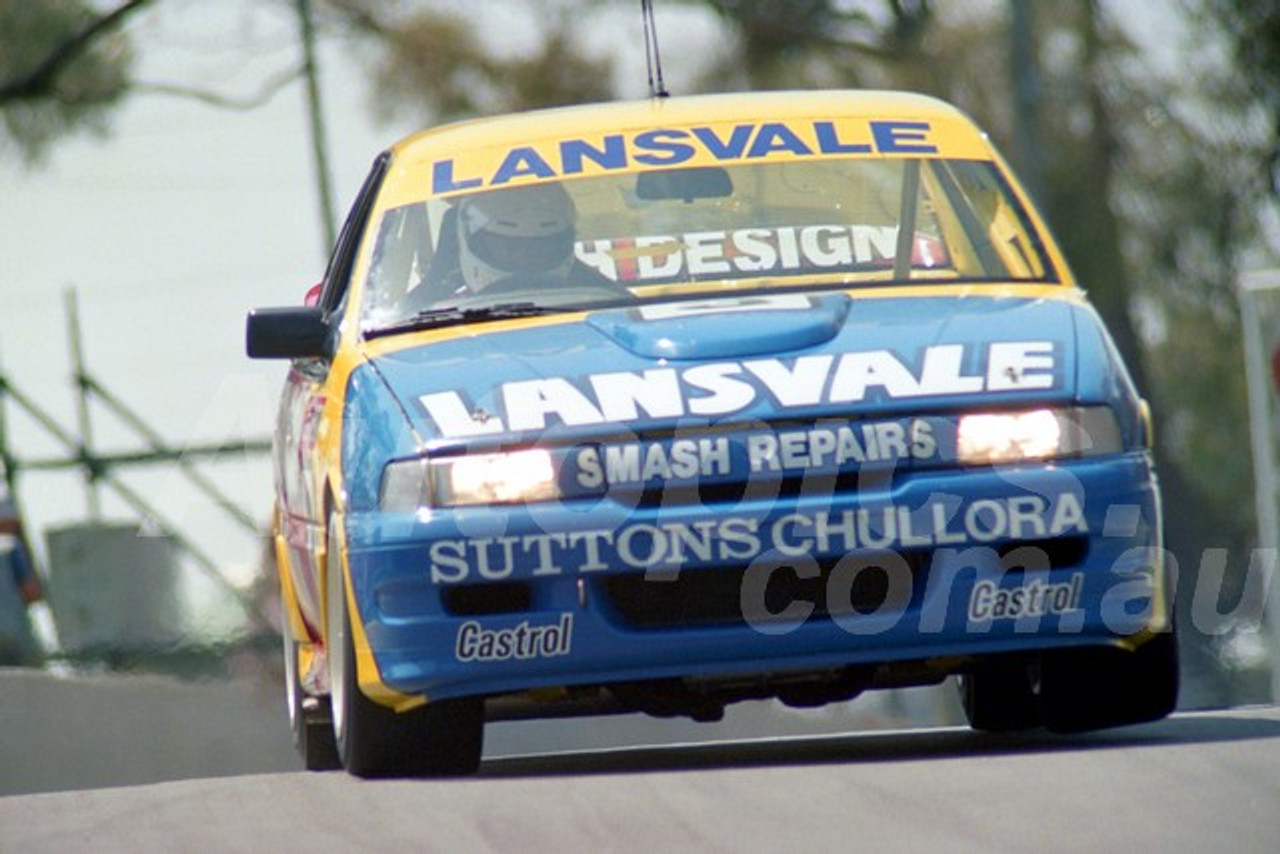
x: 430, y: 318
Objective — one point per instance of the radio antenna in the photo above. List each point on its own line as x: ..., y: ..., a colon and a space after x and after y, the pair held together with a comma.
x: 657, y: 89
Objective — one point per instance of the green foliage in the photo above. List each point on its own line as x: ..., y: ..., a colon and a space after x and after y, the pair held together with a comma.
x: 1198, y: 367
x: 58, y: 74
x: 434, y: 62
x: 1253, y: 30
x: 811, y: 43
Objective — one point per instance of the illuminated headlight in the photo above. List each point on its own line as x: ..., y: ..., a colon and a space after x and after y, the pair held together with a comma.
x: 506, y: 478
x: 1038, y: 434
x: 495, y: 478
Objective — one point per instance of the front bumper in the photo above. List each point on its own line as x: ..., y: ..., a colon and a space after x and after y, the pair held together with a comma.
x: 954, y: 563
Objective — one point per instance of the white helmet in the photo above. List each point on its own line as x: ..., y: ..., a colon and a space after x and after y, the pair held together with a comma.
x: 519, y: 230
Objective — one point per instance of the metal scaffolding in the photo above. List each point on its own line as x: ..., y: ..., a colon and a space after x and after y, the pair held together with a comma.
x: 99, y: 469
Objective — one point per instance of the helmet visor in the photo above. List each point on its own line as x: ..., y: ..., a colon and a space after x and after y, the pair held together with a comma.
x: 512, y: 254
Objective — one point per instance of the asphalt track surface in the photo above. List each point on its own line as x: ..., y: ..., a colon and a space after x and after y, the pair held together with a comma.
x: 1196, y: 782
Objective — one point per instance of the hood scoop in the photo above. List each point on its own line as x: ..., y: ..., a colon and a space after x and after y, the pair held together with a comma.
x: 725, y: 328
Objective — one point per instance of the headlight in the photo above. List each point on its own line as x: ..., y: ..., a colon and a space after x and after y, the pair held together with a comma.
x: 984, y: 438
x: 506, y: 478
x: 495, y: 478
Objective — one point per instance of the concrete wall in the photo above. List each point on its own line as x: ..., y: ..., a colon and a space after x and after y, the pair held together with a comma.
x: 110, y: 587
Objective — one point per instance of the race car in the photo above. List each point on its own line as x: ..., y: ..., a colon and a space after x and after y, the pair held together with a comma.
x: 658, y: 406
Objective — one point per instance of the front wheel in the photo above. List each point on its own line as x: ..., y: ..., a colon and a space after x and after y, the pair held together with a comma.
x: 1096, y: 688
x: 309, y: 717
x: 442, y: 738
x: 998, y: 696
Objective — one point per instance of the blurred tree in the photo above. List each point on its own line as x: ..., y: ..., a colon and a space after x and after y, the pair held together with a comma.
x: 437, y: 63
x: 1253, y: 29
x: 63, y: 67
x: 806, y: 43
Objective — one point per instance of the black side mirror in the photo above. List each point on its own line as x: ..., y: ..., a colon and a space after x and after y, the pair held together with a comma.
x: 296, y: 332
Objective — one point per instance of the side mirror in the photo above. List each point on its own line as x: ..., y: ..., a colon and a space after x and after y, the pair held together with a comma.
x: 287, y: 333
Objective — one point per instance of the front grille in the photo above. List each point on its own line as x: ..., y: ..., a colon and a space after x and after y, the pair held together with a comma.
x: 715, y: 596
x: 1053, y: 554
x: 479, y: 600
x: 881, y: 582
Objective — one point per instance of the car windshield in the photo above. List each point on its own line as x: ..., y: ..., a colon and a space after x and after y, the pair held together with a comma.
x: 663, y: 234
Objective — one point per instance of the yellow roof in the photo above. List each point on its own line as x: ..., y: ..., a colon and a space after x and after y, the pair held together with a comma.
x: 570, y: 142
x: 719, y: 108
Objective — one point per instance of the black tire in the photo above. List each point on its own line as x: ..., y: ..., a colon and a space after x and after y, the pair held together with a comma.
x: 309, y: 717
x: 442, y: 738
x: 1097, y: 688
x: 998, y: 696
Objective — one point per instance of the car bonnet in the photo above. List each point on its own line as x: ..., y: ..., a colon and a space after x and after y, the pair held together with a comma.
x: 790, y: 357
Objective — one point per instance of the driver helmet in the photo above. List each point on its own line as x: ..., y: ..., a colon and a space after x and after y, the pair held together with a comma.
x: 521, y: 230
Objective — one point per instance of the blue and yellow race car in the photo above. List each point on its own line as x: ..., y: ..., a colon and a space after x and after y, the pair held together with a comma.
x: 659, y: 406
